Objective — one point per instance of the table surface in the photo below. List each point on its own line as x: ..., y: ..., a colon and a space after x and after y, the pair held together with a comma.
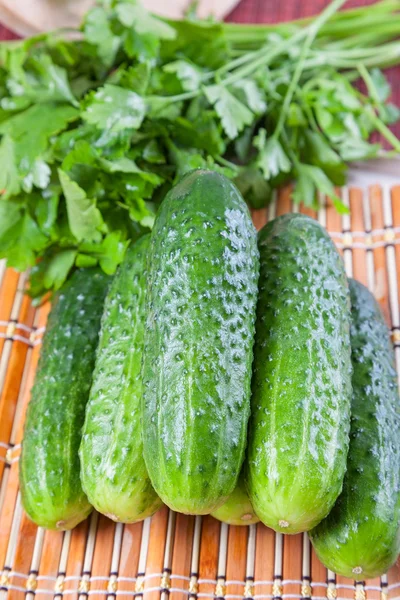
x: 273, y: 11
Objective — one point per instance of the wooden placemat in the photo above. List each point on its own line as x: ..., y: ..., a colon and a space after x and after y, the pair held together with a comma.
x: 172, y: 556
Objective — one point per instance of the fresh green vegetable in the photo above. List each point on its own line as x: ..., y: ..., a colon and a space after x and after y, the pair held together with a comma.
x: 237, y: 510
x: 360, y: 538
x: 49, y: 467
x: 202, y: 292
x: 113, y: 472
x: 95, y: 129
x: 300, y: 419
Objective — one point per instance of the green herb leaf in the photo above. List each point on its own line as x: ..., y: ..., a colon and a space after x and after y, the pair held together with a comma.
x: 86, y: 261
x: 234, y: 114
x: 83, y: 216
x: 98, y: 32
x: 357, y: 149
x: 271, y: 158
x: 46, y: 211
x: 10, y: 183
x: 161, y: 107
x: 185, y: 160
x: 10, y: 214
x: 115, y: 109
x: 50, y: 82
x: 381, y: 85
x: 143, y: 47
x: 255, y: 189
x: 320, y: 153
x: 189, y: 75
x: 250, y: 94
x: 153, y: 153
x: 57, y: 269
x: 134, y: 15
x: 31, y: 129
x: 20, y: 238
x: 310, y: 181
x: 113, y: 252
x: 389, y: 113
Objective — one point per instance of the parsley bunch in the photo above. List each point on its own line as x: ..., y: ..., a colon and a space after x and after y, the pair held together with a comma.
x: 96, y: 125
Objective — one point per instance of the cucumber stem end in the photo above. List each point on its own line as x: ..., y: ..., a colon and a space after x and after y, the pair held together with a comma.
x: 283, y: 523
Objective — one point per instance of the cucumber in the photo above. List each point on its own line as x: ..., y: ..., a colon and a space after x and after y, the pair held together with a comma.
x: 361, y: 536
x: 113, y: 472
x: 202, y: 292
x: 299, y: 426
x: 50, y: 484
x: 237, y: 510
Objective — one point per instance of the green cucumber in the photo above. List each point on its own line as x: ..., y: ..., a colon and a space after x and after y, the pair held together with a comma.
x: 50, y: 484
x: 299, y: 426
x: 202, y: 293
x: 237, y: 510
x: 360, y: 538
x: 113, y: 472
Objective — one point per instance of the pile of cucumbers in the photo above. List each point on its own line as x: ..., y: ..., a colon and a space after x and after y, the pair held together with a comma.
x: 220, y: 373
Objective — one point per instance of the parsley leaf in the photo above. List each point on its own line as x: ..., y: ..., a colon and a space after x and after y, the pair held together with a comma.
x: 57, y: 269
x: 10, y: 184
x: 108, y: 253
x: 99, y: 33
x: 189, y: 75
x: 47, y: 82
x: 250, y: 94
x: 381, y: 85
x: 31, y: 129
x: 310, y: 181
x: 115, y: 109
x: 133, y: 14
x: 234, y: 114
x: 254, y: 187
x: 271, y: 158
x: 20, y: 239
x: 83, y: 216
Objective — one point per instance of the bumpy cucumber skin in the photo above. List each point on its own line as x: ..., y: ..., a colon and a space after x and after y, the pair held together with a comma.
x: 299, y: 425
x: 360, y: 538
x: 49, y: 467
x: 202, y: 292
x: 113, y: 472
x: 237, y: 510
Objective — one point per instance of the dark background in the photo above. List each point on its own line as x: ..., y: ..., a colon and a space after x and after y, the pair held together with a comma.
x: 272, y: 11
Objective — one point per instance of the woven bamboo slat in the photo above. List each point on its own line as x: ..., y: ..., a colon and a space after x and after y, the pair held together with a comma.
x: 172, y: 556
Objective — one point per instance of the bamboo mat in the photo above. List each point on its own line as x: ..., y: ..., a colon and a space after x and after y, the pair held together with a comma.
x: 171, y: 556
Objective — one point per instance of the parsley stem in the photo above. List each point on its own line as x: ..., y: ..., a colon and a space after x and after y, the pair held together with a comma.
x: 370, y: 36
x: 340, y: 25
x: 359, y: 53
x: 386, y: 133
x: 244, y: 58
x: 379, y: 124
x: 226, y: 163
x: 350, y: 15
x: 373, y: 92
x: 312, y: 32
x: 265, y: 57
x: 384, y: 57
